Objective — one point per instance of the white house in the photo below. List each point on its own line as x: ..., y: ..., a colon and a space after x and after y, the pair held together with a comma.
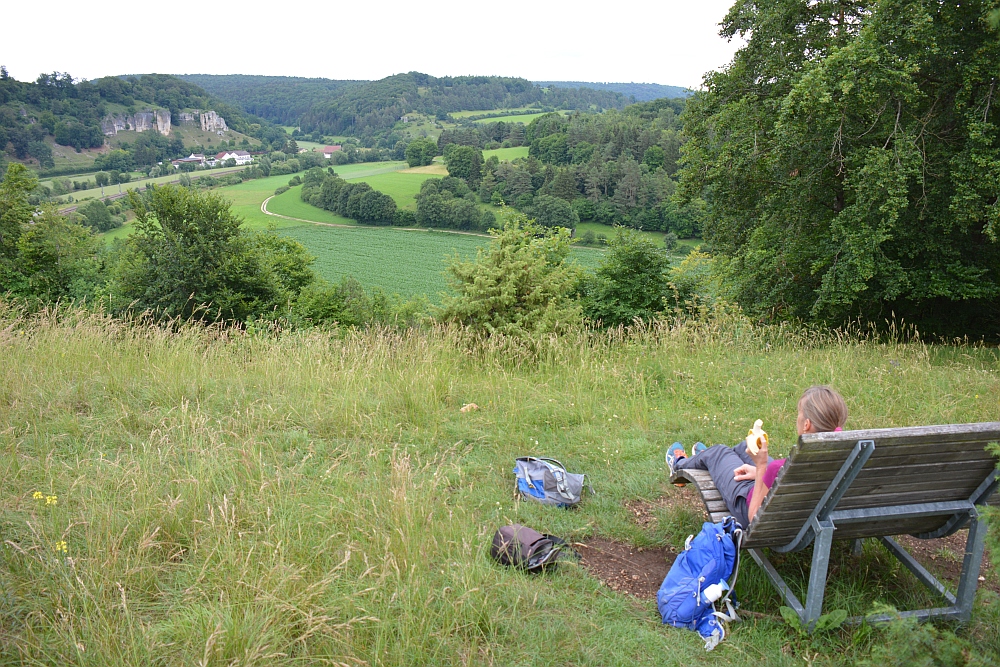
x: 241, y: 157
x: 328, y: 151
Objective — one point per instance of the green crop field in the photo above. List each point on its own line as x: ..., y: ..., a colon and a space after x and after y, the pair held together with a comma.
x: 405, y: 262
x: 408, y: 263
x: 507, y: 154
x: 400, y: 262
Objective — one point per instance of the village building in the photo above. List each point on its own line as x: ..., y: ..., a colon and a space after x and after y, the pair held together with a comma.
x: 328, y: 151
x: 241, y: 157
x: 195, y: 158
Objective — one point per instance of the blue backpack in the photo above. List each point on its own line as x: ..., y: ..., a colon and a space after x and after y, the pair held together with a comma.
x: 702, y: 575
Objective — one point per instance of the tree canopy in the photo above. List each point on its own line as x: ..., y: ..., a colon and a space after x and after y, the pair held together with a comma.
x: 189, y: 258
x: 850, y: 158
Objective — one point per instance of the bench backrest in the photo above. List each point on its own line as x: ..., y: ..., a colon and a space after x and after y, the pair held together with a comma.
x: 908, y: 465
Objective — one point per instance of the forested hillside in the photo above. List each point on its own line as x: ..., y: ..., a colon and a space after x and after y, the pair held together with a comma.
x: 375, y: 106
x: 279, y: 99
x: 71, y: 112
x: 368, y: 109
x: 642, y: 92
x: 617, y: 168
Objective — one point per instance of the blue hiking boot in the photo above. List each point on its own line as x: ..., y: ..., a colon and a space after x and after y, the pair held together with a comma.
x: 674, y: 452
x: 699, y: 447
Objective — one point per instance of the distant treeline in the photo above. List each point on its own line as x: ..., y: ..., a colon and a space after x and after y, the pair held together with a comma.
x: 368, y: 108
x: 372, y: 107
x: 642, y: 92
x: 279, y: 99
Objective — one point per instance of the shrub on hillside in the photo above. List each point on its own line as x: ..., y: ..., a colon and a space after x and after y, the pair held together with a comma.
x: 190, y: 259
x: 97, y: 216
x: 520, y: 285
x: 346, y: 303
x: 630, y: 284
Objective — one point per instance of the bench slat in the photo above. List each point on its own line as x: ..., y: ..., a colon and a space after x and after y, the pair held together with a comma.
x: 909, y: 465
x: 890, y: 455
x: 952, y: 471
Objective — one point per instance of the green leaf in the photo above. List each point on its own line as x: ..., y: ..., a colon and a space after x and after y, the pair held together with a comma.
x: 831, y: 621
x: 791, y: 618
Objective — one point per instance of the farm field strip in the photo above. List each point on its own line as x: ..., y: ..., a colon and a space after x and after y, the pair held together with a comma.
x: 404, y: 261
x: 520, y: 118
x: 506, y: 154
x: 466, y: 114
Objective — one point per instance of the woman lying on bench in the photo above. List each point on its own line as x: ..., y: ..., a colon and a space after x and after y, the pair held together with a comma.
x: 742, y: 478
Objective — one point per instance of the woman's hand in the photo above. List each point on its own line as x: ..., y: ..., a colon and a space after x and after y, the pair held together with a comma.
x: 760, y: 458
x: 745, y: 472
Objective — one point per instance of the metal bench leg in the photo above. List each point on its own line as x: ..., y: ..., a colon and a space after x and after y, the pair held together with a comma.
x: 970, y: 567
x: 783, y: 590
x: 857, y: 546
x: 817, y: 573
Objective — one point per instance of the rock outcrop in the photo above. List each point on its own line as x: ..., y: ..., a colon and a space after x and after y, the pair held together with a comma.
x: 213, y: 122
x: 141, y: 121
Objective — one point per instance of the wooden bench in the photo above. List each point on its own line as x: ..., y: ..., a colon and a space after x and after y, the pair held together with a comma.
x: 926, y: 481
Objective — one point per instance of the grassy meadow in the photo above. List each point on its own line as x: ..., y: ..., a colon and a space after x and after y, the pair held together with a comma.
x: 524, y: 118
x: 507, y: 154
x: 466, y: 114
x: 207, y: 497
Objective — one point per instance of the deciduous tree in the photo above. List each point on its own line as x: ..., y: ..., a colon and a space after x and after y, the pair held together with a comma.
x: 852, y: 160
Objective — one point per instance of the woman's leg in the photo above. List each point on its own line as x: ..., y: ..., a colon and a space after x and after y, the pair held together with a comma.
x: 721, y: 463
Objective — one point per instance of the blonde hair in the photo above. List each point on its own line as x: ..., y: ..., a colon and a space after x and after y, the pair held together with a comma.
x: 824, y: 408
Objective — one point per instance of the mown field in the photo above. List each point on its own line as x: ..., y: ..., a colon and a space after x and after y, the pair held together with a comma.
x: 466, y: 114
x: 507, y: 154
x: 520, y: 118
x: 225, y: 498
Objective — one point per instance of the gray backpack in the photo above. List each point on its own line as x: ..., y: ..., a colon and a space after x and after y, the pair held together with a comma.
x: 546, y: 481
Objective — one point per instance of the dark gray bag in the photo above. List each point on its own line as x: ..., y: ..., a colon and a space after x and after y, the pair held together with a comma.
x: 524, y: 548
x: 546, y: 481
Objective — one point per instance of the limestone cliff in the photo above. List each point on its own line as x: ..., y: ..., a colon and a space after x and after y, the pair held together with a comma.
x: 140, y: 121
x: 213, y: 122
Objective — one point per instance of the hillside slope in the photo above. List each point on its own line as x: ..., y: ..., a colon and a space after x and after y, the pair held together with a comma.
x: 56, y: 112
x: 279, y: 99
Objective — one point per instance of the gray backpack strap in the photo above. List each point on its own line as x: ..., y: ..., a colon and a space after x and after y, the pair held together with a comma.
x: 558, y: 471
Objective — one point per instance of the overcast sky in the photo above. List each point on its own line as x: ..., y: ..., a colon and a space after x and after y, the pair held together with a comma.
x: 670, y: 42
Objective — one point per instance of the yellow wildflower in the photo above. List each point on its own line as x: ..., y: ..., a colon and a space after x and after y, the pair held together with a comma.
x: 38, y: 495
x: 51, y: 500
x: 60, y: 546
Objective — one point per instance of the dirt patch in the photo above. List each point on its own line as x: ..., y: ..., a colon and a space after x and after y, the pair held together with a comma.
x: 644, y: 512
x: 638, y: 571
x: 943, y: 557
